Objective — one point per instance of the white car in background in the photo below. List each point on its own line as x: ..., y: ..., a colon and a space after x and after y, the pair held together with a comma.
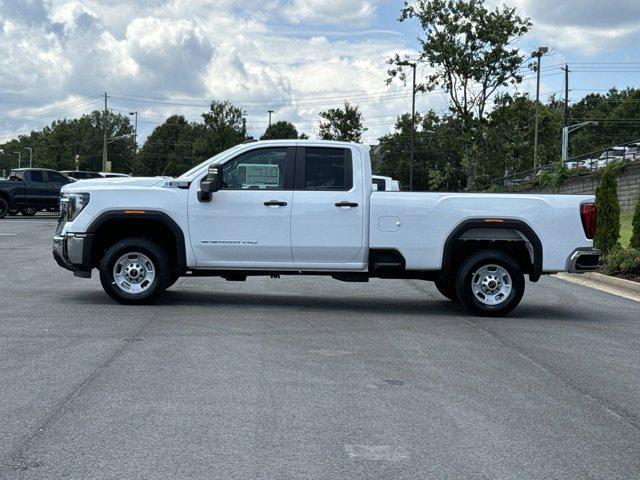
x: 385, y: 184
x: 113, y: 175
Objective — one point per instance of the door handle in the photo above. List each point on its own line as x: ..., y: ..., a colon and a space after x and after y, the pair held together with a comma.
x: 275, y: 203
x: 346, y: 204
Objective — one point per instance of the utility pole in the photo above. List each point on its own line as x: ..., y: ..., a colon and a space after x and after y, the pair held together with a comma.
x: 270, y: 112
x: 565, y: 110
x: 135, y: 153
x: 19, y: 157
x: 30, y: 156
x: 537, y: 54
x: 104, y: 131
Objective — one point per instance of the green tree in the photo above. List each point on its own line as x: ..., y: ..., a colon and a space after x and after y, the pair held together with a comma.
x: 59, y: 144
x: 437, y: 164
x: 168, y: 150
x: 608, y: 208
x: 280, y: 131
x: 471, y: 54
x: 507, y: 146
x: 344, y: 125
x: 635, y: 232
x: 225, y: 126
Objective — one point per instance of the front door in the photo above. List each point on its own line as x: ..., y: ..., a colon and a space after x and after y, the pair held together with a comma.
x: 55, y: 182
x: 247, y: 224
x: 38, y: 192
x: 327, y: 221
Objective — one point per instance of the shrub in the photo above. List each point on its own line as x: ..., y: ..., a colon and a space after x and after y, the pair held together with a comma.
x: 623, y: 261
x: 608, y: 223
x: 635, y: 231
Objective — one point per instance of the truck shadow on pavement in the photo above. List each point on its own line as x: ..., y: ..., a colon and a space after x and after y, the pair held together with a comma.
x: 428, y: 306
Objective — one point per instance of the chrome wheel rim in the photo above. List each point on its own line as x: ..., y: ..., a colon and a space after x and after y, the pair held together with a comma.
x: 491, y: 284
x: 134, y: 273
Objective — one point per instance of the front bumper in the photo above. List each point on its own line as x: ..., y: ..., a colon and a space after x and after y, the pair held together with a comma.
x: 583, y: 260
x: 73, y: 252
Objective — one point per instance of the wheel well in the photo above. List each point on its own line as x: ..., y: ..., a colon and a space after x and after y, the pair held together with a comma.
x: 5, y: 197
x: 512, y: 237
x: 517, y: 249
x: 115, y: 229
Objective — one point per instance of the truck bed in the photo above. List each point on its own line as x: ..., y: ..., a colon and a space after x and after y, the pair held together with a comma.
x: 418, y: 224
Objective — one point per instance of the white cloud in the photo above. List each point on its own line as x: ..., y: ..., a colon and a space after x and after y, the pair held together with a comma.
x: 354, y: 12
x: 57, y: 51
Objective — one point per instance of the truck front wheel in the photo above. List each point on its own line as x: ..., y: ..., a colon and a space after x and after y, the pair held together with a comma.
x: 447, y: 289
x: 134, y: 271
x: 4, y: 208
x: 490, y: 283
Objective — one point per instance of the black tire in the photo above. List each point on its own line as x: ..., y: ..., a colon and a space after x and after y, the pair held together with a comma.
x: 28, y: 211
x: 160, y: 265
x: 13, y: 212
x: 489, y: 260
x: 447, y: 289
x: 173, y: 278
x: 4, y: 208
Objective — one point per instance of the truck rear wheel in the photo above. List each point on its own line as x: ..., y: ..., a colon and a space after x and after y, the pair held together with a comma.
x: 4, y: 208
x: 490, y: 283
x: 13, y: 212
x: 134, y: 271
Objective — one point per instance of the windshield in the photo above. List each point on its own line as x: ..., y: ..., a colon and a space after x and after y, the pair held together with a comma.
x: 213, y: 159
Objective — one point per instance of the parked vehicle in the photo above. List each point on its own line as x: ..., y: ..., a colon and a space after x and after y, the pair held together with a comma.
x: 29, y: 190
x: 81, y: 174
x: 292, y: 207
x: 385, y: 184
x: 113, y: 175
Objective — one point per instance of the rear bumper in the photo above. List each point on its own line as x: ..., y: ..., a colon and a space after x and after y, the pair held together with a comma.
x: 583, y: 260
x: 73, y: 252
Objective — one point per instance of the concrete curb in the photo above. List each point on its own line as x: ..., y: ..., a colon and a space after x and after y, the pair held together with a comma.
x: 605, y: 283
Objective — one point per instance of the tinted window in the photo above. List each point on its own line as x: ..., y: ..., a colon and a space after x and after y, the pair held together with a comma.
x: 36, y: 176
x: 382, y: 185
x: 262, y: 169
x: 55, y: 177
x: 327, y: 169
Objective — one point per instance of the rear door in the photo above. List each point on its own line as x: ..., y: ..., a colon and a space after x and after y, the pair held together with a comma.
x: 327, y: 220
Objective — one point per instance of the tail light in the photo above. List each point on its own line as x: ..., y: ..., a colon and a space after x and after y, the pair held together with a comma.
x: 588, y: 214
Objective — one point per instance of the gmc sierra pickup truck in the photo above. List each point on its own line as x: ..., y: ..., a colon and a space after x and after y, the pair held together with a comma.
x: 308, y: 208
x: 31, y: 189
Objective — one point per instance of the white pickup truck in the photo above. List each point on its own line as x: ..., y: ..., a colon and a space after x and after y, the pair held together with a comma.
x: 308, y: 208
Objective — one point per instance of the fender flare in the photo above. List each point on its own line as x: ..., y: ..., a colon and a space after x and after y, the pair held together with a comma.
x: 146, y: 215
x: 518, y: 225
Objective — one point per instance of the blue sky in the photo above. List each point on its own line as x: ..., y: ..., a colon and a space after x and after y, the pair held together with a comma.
x: 296, y: 57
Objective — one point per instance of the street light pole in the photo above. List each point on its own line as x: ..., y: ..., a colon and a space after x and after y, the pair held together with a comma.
x: 537, y: 54
x: 104, y: 132
x: 135, y: 153
x: 270, y: 112
x: 413, y: 65
x: 19, y: 157
x: 565, y: 137
x: 30, y: 156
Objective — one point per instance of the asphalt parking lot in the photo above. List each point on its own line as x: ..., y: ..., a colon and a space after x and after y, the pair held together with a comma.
x: 307, y: 377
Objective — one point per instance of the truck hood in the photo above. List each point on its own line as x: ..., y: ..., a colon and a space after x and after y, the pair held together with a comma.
x: 116, y: 182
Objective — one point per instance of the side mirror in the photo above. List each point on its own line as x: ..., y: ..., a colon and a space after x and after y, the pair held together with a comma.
x: 211, y: 183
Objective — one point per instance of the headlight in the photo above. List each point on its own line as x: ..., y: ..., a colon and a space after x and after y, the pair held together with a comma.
x: 71, y: 204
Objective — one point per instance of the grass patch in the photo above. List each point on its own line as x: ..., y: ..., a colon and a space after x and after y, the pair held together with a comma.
x: 625, y: 228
